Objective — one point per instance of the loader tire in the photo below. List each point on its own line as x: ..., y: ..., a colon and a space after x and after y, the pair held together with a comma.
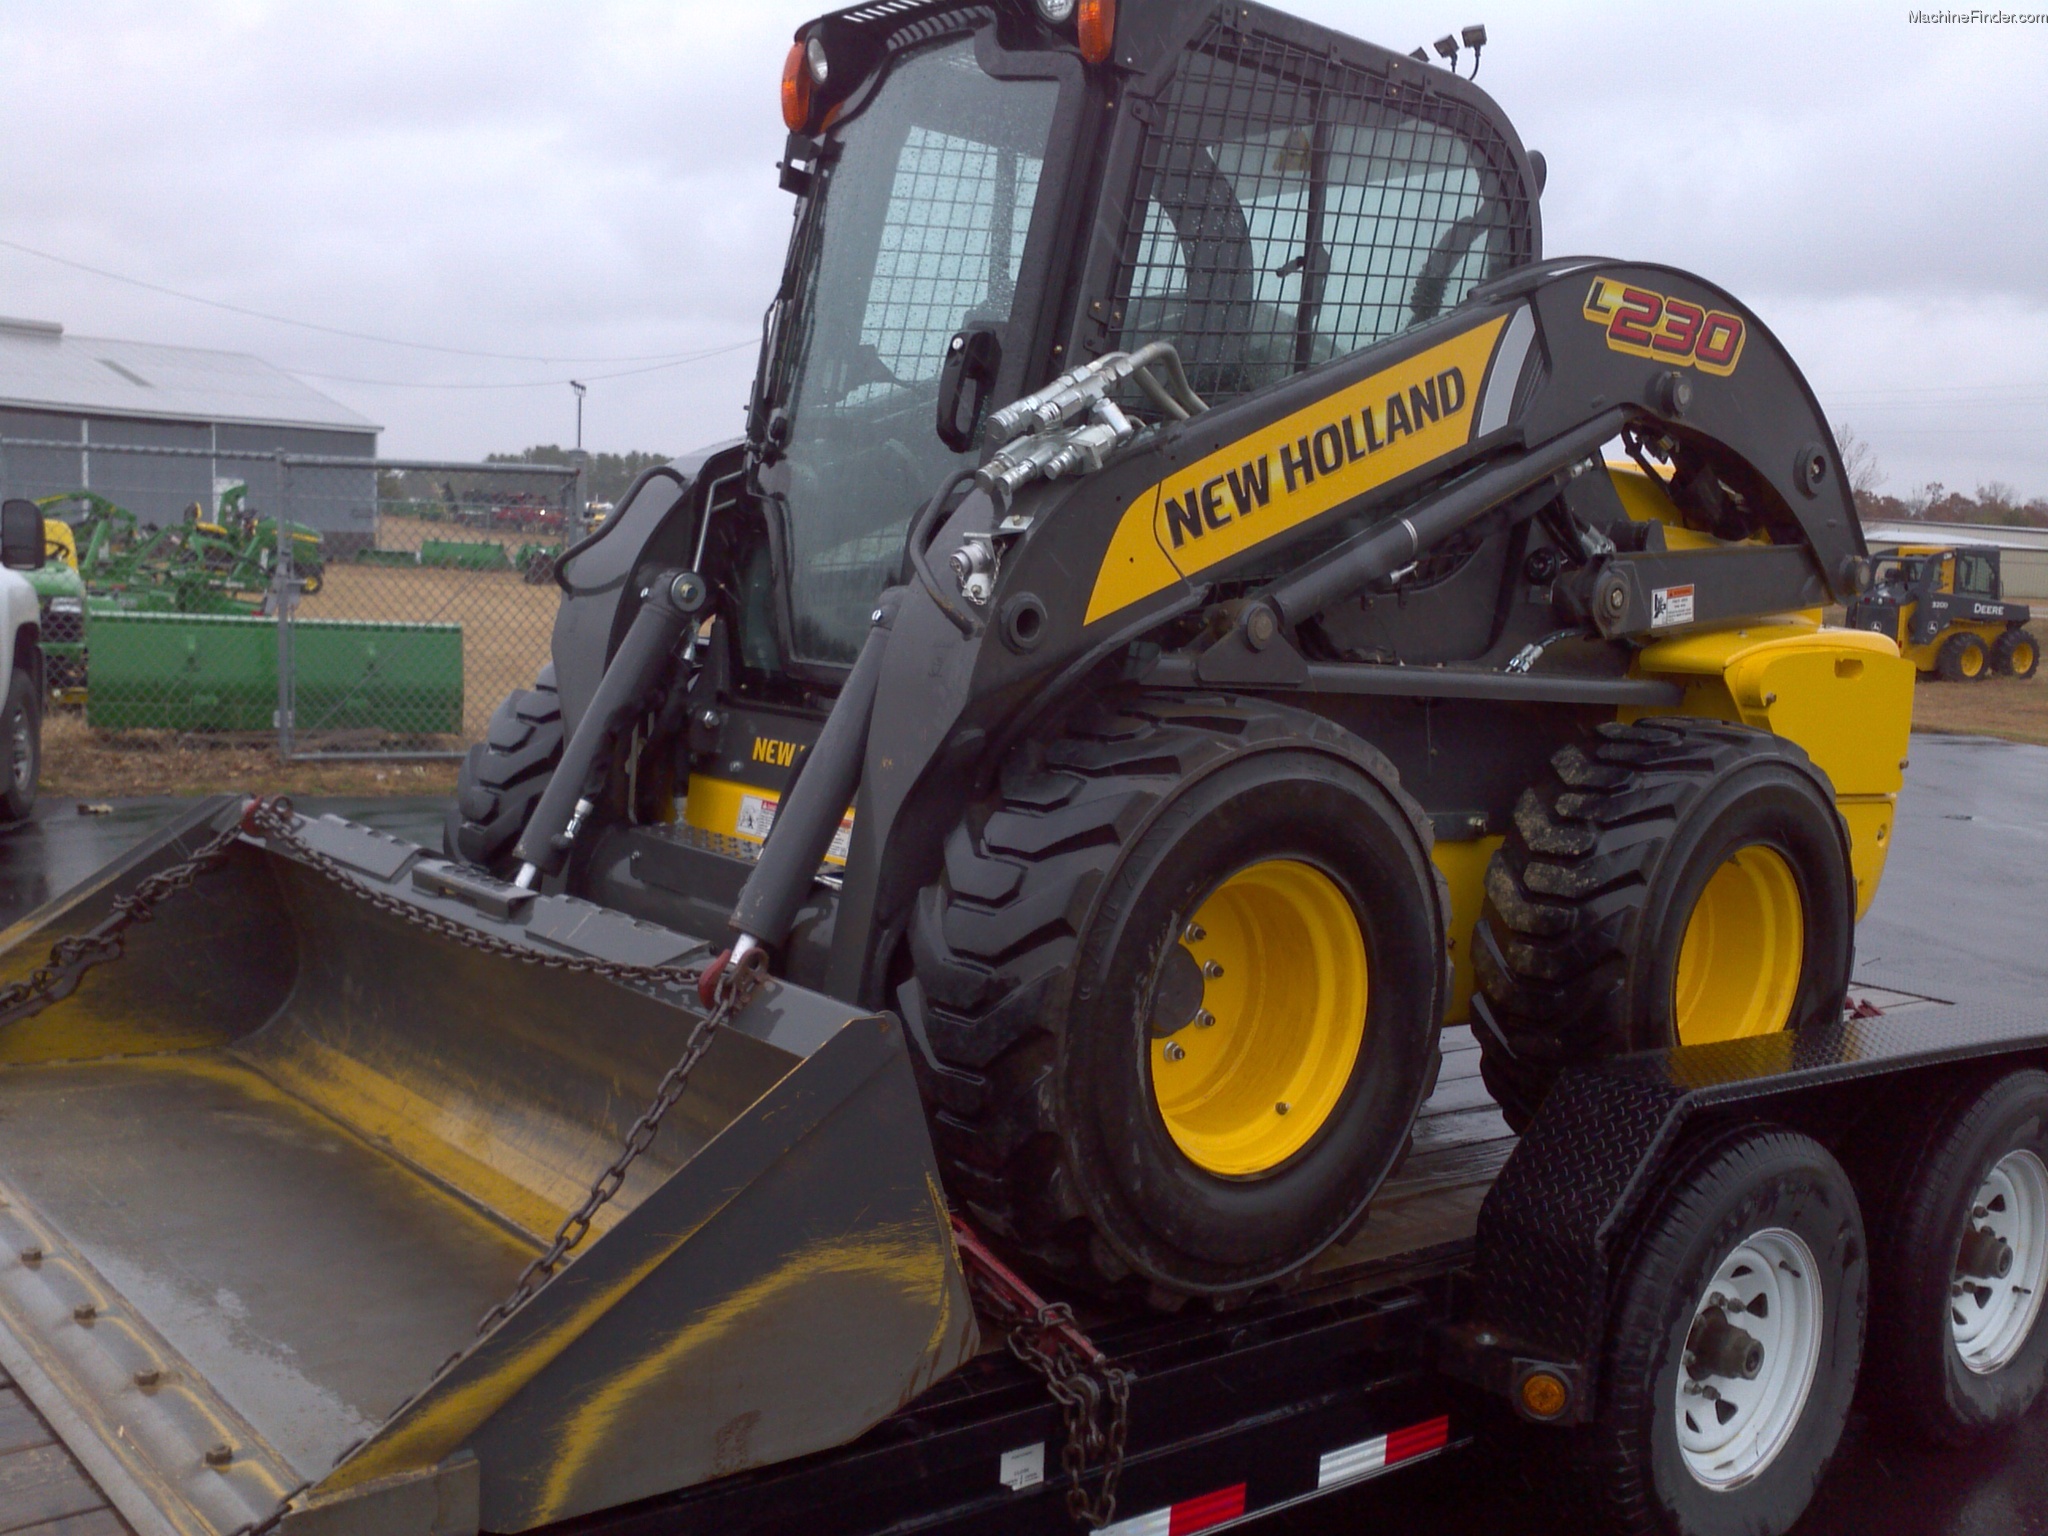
x: 502, y: 778
x: 2015, y: 653
x: 1180, y: 987
x: 1961, y: 659
x: 1672, y: 882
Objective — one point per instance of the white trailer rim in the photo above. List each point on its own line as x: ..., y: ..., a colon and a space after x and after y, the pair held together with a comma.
x: 1731, y: 1427
x: 1991, y: 1317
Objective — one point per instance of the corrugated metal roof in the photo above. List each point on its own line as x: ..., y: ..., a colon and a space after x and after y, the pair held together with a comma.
x: 139, y: 378
x: 1998, y: 535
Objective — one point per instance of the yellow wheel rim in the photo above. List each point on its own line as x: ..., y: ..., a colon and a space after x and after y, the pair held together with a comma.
x: 1285, y: 984
x: 2023, y: 657
x: 1738, y: 966
x: 1973, y: 660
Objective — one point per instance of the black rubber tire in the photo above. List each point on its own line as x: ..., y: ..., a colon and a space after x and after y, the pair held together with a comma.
x: 2011, y: 644
x: 1915, y: 1238
x: 1949, y: 663
x: 22, y: 712
x: 1626, y: 1464
x: 1587, y: 899
x: 1035, y: 958
x: 502, y: 778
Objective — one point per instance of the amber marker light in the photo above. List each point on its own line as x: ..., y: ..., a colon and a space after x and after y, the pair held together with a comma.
x: 1096, y: 24
x: 1543, y: 1395
x: 796, y: 88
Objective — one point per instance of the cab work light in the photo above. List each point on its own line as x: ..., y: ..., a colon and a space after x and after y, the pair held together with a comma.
x: 1097, y: 28
x: 805, y: 69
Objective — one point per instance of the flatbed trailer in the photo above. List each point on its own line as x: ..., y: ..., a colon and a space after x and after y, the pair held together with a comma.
x: 1376, y: 1363
x: 1488, y: 1277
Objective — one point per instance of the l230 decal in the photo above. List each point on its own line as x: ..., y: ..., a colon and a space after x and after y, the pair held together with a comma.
x: 1281, y: 475
x: 1644, y: 323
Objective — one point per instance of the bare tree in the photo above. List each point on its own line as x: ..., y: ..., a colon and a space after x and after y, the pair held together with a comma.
x: 1859, y: 459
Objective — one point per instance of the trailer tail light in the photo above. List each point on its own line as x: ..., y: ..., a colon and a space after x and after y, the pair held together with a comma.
x: 1097, y: 27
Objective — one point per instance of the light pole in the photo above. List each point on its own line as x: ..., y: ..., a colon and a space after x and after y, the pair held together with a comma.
x: 575, y: 385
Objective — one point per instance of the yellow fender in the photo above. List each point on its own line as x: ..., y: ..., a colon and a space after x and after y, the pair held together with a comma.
x: 1844, y: 695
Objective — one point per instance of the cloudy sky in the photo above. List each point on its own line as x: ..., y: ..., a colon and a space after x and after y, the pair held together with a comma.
x: 543, y: 191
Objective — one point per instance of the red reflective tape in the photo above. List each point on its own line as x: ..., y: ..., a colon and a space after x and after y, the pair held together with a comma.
x: 1418, y: 1438
x: 1191, y: 1515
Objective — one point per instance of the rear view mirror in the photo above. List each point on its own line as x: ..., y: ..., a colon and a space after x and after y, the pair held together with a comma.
x: 972, y: 358
x: 21, y: 534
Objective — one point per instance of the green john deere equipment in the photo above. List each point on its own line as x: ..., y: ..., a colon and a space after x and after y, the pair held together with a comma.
x: 1946, y: 607
x: 60, y: 600
x: 1201, y: 602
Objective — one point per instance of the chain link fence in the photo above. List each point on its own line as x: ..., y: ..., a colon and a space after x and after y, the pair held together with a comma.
x: 344, y: 607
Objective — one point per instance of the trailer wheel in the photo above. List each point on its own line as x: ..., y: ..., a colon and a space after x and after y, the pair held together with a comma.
x: 1961, y: 659
x: 1962, y: 1266
x: 501, y: 780
x: 1733, y: 1349
x: 1183, y: 985
x: 1672, y: 882
x: 2015, y: 654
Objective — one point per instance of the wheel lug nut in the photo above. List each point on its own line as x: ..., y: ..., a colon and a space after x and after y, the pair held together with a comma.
x: 1281, y: 1108
x: 1211, y: 969
x: 1195, y: 933
x: 1204, y: 1018
x: 1174, y: 1051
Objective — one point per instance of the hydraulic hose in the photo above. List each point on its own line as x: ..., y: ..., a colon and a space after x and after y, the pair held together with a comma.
x: 635, y: 671
x: 812, y: 809
x: 1388, y: 548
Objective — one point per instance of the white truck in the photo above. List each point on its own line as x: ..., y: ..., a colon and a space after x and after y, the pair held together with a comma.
x: 21, y: 659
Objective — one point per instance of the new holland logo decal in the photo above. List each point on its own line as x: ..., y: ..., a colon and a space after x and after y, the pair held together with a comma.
x: 1644, y: 323
x: 1294, y: 469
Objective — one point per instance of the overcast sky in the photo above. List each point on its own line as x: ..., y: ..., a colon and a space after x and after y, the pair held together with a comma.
x: 589, y: 188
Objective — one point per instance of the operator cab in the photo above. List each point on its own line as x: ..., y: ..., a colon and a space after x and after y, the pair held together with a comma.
x: 1265, y: 194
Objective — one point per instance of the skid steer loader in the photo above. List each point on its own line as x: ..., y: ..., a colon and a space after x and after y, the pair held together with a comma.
x: 1200, y: 602
x: 1946, y: 607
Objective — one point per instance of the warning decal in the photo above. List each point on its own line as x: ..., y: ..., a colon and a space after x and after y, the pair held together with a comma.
x: 1670, y: 605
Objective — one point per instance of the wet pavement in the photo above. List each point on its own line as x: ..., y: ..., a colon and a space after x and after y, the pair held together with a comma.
x: 1960, y: 915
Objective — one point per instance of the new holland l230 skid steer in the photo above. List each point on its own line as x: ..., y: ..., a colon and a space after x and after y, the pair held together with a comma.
x: 1200, y: 603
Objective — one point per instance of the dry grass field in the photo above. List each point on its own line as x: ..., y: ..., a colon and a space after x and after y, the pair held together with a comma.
x: 82, y: 764
x: 2009, y: 707
x: 411, y: 532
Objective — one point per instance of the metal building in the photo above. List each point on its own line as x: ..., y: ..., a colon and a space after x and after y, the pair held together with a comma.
x: 106, y: 395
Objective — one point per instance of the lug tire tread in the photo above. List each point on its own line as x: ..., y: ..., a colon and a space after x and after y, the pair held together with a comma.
x: 992, y: 941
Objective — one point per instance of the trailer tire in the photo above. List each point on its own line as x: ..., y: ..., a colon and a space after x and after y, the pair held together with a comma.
x: 501, y: 779
x: 1995, y: 1139
x: 1739, y: 1219
x: 1961, y: 659
x: 1061, y: 936
x: 1615, y: 859
x: 2016, y: 653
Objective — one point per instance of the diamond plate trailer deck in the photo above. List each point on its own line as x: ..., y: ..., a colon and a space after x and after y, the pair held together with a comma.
x: 1484, y: 1258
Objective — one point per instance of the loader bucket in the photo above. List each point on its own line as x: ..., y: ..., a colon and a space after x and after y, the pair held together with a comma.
x: 264, y: 1173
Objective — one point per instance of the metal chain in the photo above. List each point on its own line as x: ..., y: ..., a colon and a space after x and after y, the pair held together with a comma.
x: 1045, y: 1338
x: 74, y: 955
